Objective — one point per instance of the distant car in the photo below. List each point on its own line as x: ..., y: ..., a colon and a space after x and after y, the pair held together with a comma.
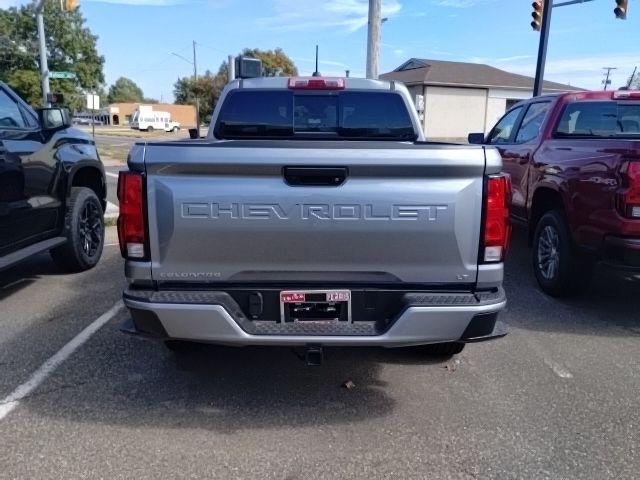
x: 86, y: 121
x: 574, y: 161
x: 52, y: 187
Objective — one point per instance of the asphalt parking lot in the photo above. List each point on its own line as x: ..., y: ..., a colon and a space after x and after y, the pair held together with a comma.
x: 557, y: 398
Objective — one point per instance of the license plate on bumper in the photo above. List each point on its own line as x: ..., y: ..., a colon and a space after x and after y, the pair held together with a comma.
x: 315, y: 306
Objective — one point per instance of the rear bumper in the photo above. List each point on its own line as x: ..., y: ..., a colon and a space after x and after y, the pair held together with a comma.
x: 214, y: 317
x: 622, y: 253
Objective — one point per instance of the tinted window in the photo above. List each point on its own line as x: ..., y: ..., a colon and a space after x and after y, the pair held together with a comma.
x: 501, y: 133
x: 284, y: 114
x: 532, y: 122
x: 374, y: 115
x: 10, y: 116
x: 629, y: 117
x: 256, y: 114
x: 600, y: 119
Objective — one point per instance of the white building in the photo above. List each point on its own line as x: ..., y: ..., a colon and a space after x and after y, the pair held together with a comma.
x: 462, y: 98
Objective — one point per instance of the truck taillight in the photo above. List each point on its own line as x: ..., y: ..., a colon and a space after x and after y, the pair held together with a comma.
x: 132, y: 232
x: 316, y: 83
x: 626, y: 95
x: 630, y: 196
x: 497, y: 227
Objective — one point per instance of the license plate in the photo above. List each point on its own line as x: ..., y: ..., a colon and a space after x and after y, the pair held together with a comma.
x: 315, y: 306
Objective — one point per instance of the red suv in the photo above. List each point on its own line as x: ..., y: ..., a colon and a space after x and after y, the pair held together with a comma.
x: 574, y: 161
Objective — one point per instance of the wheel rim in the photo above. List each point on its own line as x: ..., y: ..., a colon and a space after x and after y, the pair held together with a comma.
x: 549, y: 252
x: 90, y: 229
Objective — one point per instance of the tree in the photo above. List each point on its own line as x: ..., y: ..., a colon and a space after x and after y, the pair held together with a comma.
x: 125, y: 90
x: 70, y: 44
x: 275, y: 63
x: 210, y: 86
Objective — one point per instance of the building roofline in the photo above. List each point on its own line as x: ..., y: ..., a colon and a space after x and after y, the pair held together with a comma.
x: 477, y: 85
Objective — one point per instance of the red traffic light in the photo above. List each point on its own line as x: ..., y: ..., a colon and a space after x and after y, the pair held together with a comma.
x: 621, y: 9
x: 538, y: 12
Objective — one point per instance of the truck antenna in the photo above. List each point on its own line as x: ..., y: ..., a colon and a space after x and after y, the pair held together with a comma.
x: 632, y: 77
x: 316, y: 73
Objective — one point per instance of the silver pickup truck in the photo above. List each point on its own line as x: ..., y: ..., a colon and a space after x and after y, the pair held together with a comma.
x: 314, y: 214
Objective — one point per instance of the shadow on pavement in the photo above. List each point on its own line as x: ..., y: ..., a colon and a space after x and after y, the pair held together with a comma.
x: 19, y: 276
x: 610, y: 307
x: 128, y: 381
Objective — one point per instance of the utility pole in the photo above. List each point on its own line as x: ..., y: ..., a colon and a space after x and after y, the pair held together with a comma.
x: 44, y: 66
x: 373, y: 38
x: 231, y: 70
x: 606, y: 80
x: 195, y: 88
x: 542, y: 48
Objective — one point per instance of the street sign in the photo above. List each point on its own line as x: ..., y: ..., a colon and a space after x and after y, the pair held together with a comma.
x: 93, y: 101
x: 66, y: 75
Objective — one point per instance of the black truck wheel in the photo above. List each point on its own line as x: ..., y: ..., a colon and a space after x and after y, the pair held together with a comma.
x: 560, y: 268
x: 84, y: 229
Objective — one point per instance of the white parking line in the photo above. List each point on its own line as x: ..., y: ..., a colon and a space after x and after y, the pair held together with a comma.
x: 47, y: 368
x: 109, y: 174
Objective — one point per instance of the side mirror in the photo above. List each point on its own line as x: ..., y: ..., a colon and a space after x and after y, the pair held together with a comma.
x: 476, y: 138
x: 54, y: 118
x: 193, y: 133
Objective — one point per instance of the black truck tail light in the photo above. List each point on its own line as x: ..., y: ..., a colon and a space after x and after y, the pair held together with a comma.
x: 497, y: 227
x: 629, y: 199
x: 132, y: 231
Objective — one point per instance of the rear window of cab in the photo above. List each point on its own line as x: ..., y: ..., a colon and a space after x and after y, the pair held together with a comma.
x: 345, y: 115
x: 600, y: 119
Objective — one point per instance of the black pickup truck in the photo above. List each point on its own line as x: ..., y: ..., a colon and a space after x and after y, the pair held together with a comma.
x: 52, y: 187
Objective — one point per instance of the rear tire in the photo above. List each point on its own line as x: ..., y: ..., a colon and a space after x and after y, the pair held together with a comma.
x: 84, y: 229
x: 175, y: 129
x: 150, y: 129
x: 447, y: 349
x: 561, y: 269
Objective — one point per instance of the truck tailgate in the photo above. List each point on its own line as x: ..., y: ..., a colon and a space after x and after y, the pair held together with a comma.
x: 223, y: 212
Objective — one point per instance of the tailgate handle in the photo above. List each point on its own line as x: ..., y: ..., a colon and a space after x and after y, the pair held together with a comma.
x: 315, y: 176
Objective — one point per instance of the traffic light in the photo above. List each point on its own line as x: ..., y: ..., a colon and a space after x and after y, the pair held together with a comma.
x: 621, y: 9
x: 538, y: 12
x: 69, y: 5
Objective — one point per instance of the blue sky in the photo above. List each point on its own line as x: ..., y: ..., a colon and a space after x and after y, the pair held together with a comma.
x: 136, y: 36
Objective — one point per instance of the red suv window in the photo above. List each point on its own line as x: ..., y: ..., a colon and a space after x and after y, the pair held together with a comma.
x: 600, y: 120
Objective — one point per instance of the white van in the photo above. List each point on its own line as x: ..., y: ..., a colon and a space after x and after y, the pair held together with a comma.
x: 145, y: 118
